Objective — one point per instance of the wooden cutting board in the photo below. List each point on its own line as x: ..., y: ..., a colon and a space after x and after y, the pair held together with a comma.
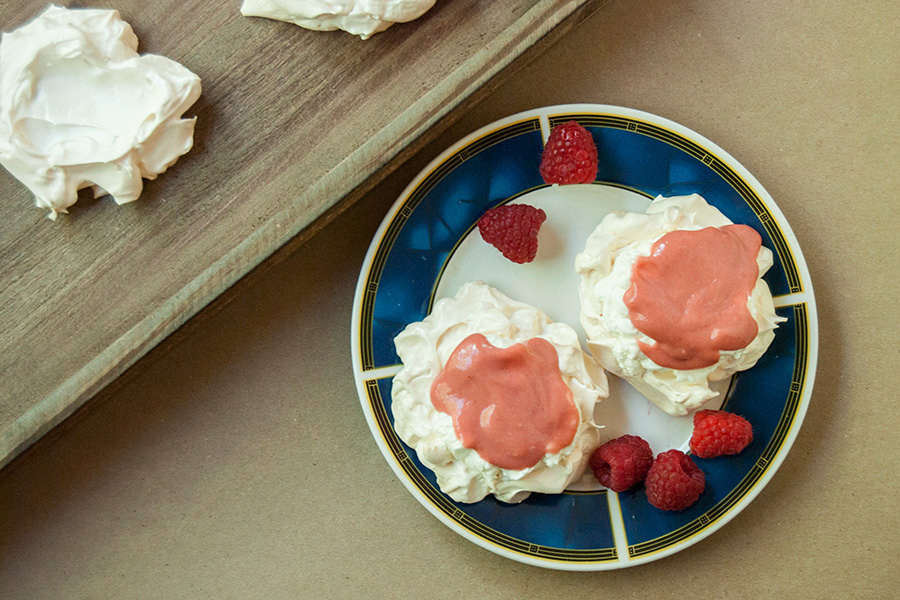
x: 289, y: 124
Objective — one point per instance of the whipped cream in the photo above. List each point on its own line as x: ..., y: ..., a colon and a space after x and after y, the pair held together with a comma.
x: 79, y: 107
x: 359, y: 17
x: 605, y: 267
x: 424, y: 348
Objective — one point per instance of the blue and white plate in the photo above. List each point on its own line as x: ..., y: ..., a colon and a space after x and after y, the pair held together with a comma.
x: 427, y: 247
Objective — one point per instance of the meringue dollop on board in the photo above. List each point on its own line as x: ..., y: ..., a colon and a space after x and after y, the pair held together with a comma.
x: 364, y: 18
x: 79, y: 107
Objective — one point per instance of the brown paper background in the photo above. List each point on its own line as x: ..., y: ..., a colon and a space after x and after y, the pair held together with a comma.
x: 234, y: 460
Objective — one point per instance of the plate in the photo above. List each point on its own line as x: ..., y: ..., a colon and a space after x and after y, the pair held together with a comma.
x: 427, y: 246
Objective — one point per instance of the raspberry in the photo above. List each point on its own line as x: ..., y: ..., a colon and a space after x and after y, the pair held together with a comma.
x: 513, y: 229
x: 621, y: 463
x: 717, y: 433
x: 570, y: 155
x: 674, y: 481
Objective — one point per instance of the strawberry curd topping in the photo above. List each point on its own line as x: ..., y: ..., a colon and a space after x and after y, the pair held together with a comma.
x: 690, y: 295
x: 510, y: 405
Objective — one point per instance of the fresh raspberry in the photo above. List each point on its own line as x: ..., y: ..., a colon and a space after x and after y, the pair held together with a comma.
x: 513, y: 229
x: 717, y: 433
x: 570, y: 155
x: 621, y: 463
x: 674, y: 481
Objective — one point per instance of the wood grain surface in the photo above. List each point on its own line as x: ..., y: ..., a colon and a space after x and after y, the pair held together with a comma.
x: 290, y: 122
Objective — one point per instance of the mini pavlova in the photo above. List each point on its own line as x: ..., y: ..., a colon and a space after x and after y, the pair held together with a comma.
x: 495, y: 398
x: 674, y: 299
